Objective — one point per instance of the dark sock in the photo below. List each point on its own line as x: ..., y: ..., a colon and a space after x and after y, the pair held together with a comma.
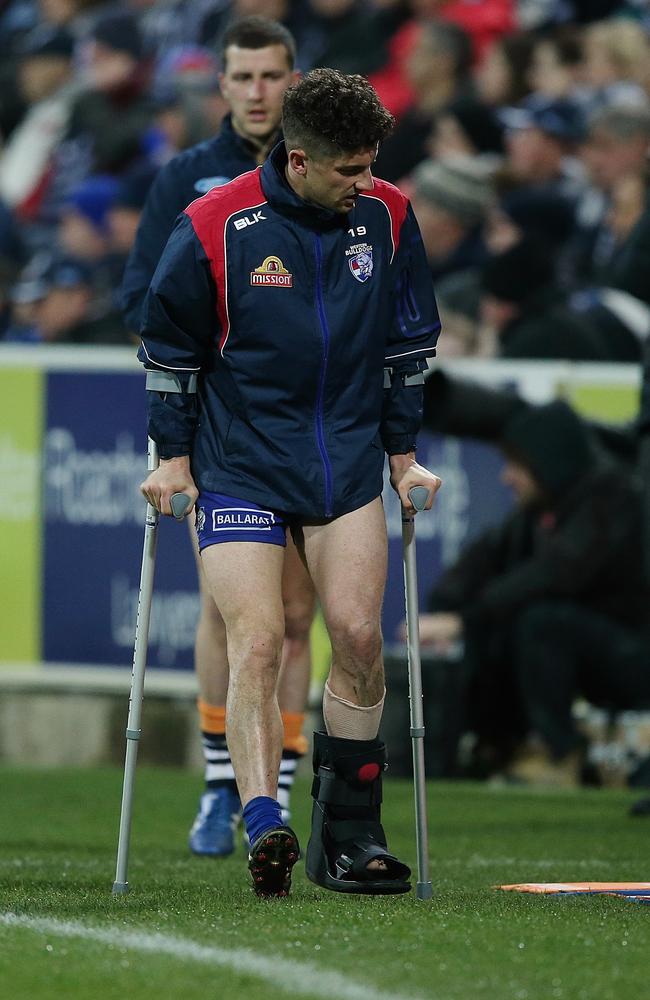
x: 261, y: 814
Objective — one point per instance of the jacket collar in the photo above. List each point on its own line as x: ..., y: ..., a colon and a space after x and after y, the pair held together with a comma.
x: 284, y: 199
x: 235, y: 139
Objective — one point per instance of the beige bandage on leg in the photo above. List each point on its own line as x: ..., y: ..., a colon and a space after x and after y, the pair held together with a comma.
x: 348, y: 721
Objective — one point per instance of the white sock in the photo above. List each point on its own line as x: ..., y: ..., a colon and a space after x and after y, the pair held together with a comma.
x: 349, y: 721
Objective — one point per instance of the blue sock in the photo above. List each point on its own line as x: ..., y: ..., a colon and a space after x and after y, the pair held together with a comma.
x: 261, y: 814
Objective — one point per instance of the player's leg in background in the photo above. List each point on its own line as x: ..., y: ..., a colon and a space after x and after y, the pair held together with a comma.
x: 299, y: 601
x: 212, y: 832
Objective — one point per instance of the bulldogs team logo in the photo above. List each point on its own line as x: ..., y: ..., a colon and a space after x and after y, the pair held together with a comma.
x: 361, y: 265
x: 272, y: 272
x: 200, y: 520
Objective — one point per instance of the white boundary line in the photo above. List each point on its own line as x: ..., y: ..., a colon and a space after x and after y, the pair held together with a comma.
x: 283, y: 974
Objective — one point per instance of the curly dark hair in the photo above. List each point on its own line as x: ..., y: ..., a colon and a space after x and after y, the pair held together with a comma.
x: 328, y: 112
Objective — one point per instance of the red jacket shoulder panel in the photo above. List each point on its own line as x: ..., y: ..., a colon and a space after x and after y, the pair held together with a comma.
x: 210, y: 213
x: 395, y: 203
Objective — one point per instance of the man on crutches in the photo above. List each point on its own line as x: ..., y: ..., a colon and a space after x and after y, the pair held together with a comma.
x: 300, y: 294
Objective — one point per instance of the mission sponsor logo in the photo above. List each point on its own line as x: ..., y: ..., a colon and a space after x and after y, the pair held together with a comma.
x: 272, y: 273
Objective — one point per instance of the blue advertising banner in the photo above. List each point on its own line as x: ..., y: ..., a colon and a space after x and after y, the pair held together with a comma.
x: 94, y: 460
x: 471, y: 499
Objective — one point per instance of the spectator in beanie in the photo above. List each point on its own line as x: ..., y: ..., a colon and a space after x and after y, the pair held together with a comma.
x: 552, y: 604
x: 46, y: 82
x: 526, y: 315
x: 110, y: 118
x: 450, y: 198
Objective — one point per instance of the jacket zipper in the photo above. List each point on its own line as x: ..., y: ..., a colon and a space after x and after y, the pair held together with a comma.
x: 320, y: 431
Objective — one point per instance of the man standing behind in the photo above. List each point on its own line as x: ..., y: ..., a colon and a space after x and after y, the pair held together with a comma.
x: 258, y: 66
x: 301, y: 296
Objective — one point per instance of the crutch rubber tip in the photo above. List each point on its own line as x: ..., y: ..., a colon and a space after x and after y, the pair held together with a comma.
x: 418, y: 495
x: 119, y: 888
x: 424, y: 890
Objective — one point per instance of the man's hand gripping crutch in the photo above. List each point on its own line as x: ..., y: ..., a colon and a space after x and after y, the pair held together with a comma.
x: 169, y: 489
x: 416, y: 488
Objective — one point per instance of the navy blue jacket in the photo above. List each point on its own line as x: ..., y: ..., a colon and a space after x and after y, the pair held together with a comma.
x: 188, y: 176
x: 290, y: 312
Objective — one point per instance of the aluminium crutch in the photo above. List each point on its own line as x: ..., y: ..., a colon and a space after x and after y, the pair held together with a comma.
x: 180, y: 506
x: 418, y: 496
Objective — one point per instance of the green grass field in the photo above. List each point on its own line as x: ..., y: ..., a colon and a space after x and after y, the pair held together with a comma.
x: 191, y: 928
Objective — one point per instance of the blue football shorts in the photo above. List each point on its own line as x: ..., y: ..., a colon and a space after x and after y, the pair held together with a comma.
x: 220, y: 518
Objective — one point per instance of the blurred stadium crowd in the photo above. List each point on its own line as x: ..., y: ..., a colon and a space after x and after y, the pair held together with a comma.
x: 522, y: 137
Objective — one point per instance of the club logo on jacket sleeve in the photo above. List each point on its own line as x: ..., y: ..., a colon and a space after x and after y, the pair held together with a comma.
x: 360, y: 261
x: 272, y: 272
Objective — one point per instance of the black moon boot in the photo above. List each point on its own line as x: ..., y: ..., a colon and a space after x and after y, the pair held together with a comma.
x: 346, y: 830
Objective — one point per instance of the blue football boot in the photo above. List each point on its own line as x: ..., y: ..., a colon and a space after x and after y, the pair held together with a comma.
x: 213, y: 830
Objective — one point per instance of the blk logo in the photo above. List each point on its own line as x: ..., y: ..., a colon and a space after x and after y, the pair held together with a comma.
x: 250, y: 220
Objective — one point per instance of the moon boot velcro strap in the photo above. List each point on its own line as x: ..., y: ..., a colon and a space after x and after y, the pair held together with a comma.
x: 346, y: 830
x: 328, y: 788
x: 355, y: 856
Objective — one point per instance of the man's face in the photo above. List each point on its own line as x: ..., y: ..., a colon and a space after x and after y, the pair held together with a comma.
x: 335, y: 182
x: 608, y: 158
x: 521, y: 481
x: 40, y: 76
x: 533, y: 155
x: 254, y: 83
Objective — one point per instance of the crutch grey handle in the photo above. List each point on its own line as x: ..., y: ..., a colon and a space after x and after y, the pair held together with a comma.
x: 180, y: 504
x: 418, y: 495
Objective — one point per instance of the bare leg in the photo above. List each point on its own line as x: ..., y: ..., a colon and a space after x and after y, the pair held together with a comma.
x: 245, y: 582
x: 210, y: 653
x: 347, y: 559
x: 299, y: 601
